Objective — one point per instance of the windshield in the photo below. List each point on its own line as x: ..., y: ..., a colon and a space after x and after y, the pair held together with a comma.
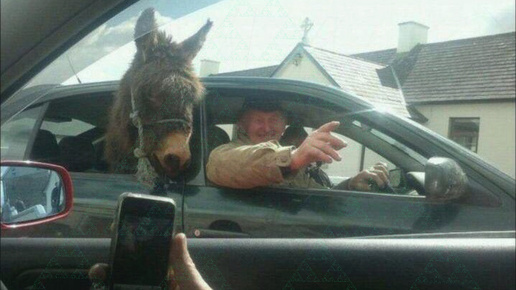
x: 260, y: 33
x: 388, y: 68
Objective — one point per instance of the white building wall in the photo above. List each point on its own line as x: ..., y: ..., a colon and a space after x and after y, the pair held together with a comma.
x: 496, y: 140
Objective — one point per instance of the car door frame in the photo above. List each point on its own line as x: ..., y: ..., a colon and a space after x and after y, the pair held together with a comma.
x: 83, y: 220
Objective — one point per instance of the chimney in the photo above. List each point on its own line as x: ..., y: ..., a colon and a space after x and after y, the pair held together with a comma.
x: 209, y: 67
x: 411, y: 34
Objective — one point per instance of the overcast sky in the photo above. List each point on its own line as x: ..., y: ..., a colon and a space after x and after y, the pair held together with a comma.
x: 254, y: 33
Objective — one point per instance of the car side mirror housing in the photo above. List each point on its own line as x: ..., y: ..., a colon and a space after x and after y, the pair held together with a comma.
x: 444, y: 179
x: 33, y: 193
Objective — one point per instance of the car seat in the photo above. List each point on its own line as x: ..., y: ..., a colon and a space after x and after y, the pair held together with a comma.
x: 77, y: 154
x: 292, y: 135
x: 45, y: 148
x: 216, y: 137
x: 101, y: 164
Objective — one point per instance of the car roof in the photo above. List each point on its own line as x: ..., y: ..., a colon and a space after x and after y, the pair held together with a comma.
x: 293, y: 92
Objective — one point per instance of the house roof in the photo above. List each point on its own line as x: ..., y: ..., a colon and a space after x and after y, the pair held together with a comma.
x: 481, y: 68
x: 363, y: 78
x: 374, y: 82
x: 254, y: 72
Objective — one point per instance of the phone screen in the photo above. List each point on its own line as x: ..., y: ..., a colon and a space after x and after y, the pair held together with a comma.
x: 143, y: 243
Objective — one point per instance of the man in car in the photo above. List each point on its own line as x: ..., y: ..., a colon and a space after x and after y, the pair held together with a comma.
x: 256, y: 158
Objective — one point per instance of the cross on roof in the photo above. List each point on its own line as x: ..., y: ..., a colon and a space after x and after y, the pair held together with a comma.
x: 307, y: 25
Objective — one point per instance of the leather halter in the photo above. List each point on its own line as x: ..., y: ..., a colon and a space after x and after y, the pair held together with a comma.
x: 146, y: 172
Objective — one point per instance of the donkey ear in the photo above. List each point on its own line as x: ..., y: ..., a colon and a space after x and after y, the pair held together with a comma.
x: 190, y: 47
x: 146, y: 33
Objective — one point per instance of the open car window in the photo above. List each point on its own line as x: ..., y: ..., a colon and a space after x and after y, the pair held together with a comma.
x: 366, y: 146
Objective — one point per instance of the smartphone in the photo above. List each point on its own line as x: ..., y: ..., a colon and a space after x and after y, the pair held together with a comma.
x: 144, y: 227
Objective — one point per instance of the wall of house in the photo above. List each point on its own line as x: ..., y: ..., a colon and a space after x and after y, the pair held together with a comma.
x: 305, y: 70
x: 496, y: 137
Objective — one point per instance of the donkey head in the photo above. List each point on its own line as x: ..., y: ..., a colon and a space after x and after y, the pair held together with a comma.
x: 164, y: 89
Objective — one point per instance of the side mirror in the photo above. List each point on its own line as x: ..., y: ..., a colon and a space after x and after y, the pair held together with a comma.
x: 444, y: 179
x: 33, y: 193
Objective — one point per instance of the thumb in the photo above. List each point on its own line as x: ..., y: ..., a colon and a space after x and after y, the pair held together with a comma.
x: 98, y: 274
x: 184, y: 273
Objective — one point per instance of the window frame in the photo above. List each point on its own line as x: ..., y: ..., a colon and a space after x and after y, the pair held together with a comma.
x: 450, y: 132
x: 350, y: 117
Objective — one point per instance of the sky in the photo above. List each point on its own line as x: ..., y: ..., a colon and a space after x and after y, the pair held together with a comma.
x: 253, y: 33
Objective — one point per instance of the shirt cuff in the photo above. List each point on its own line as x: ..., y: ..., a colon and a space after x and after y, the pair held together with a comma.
x: 283, y: 156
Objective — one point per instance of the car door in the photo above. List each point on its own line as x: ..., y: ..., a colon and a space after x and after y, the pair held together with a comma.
x: 347, y: 213
x: 69, y: 132
x: 279, y: 211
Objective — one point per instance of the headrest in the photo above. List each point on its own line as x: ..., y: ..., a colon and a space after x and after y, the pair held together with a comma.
x: 216, y: 137
x: 293, y: 135
x: 77, y: 154
x: 45, y: 148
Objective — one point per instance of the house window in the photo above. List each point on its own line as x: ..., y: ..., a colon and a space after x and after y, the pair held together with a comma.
x: 465, y: 132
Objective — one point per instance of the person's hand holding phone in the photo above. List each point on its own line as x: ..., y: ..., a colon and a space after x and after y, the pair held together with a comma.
x: 183, y: 273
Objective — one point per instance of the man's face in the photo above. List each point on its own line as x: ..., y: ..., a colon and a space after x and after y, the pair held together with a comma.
x: 263, y: 126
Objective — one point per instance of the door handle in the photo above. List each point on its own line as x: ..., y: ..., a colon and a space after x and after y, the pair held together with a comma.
x: 203, y: 233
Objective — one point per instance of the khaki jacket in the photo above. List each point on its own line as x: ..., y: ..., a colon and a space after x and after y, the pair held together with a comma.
x: 240, y: 164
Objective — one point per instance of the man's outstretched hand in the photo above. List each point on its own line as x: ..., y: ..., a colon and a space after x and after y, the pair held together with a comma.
x: 182, y: 272
x: 320, y: 145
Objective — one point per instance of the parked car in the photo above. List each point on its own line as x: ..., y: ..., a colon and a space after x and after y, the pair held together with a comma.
x: 450, y: 212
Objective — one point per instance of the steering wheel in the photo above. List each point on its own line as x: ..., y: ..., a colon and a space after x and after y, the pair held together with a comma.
x: 386, y: 189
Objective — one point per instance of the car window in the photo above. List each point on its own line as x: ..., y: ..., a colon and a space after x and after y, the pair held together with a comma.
x: 17, y: 133
x: 356, y: 156
x: 65, y: 127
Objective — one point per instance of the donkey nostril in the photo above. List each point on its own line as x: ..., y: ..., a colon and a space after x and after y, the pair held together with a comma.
x: 172, y: 162
x: 187, y: 164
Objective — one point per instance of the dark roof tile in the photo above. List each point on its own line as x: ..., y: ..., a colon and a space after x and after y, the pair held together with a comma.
x: 369, y: 80
x: 480, y: 68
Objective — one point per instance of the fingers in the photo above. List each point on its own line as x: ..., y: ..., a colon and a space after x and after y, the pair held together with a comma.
x: 335, y: 142
x: 326, y: 149
x: 184, y: 273
x: 361, y: 180
x: 380, y: 169
x: 377, y: 177
x: 381, y: 166
x: 328, y: 127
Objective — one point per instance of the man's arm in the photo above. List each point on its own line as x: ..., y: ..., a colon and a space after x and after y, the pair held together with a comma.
x: 248, y: 166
